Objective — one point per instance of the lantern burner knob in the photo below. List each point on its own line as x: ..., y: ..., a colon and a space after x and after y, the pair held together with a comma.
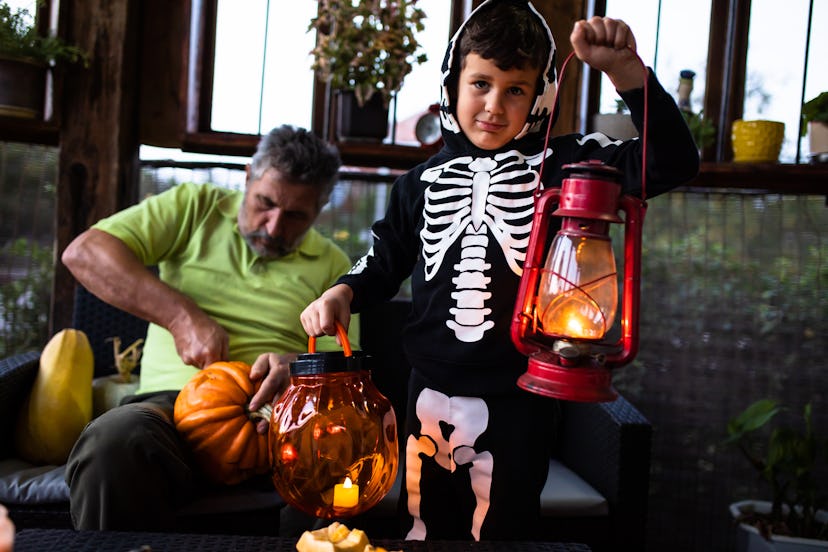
x: 566, y: 349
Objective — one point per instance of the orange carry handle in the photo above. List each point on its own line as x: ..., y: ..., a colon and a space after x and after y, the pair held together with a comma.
x: 343, y: 337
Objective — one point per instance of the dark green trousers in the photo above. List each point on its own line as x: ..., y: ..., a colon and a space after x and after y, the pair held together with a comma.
x: 129, y: 469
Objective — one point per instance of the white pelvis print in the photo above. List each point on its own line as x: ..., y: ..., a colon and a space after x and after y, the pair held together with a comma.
x: 468, y: 417
x: 470, y: 197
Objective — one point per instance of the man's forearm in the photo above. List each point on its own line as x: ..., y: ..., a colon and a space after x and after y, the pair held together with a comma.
x: 104, y: 265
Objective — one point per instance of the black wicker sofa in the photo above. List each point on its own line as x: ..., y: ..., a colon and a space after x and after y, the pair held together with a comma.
x: 596, y: 493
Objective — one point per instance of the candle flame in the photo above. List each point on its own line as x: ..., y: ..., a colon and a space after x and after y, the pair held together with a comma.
x: 347, y: 484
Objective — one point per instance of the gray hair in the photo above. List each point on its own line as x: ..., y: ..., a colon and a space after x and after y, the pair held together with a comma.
x: 300, y: 156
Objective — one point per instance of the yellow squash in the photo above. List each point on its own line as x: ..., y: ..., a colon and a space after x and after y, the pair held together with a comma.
x: 60, y: 402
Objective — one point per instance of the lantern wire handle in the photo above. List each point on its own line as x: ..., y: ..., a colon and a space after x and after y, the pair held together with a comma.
x: 343, y: 338
x: 553, y: 116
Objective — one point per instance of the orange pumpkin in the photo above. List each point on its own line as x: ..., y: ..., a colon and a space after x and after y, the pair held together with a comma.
x: 212, y: 415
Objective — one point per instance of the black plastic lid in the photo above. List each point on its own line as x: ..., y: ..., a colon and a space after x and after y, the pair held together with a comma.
x: 309, y: 364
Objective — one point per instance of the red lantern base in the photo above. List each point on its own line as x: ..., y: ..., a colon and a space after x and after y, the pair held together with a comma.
x: 574, y: 383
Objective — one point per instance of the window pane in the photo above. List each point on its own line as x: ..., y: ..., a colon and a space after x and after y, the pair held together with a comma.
x: 421, y: 87
x: 682, y: 36
x: 28, y: 180
x: 286, y: 95
x: 28, y: 5
x: 775, y: 68
x: 287, y: 91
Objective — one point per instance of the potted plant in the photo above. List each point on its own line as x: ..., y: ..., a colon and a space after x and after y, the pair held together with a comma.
x: 702, y: 130
x: 364, y: 50
x: 785, y: 458
x: 25, y: 58
x: 815, y: 123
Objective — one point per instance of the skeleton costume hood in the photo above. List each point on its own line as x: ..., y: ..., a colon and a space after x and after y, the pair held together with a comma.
x: 538, y: 118
x: 458, y: 225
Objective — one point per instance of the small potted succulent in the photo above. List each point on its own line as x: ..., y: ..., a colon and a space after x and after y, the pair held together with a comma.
x: 25, y: 58
x: 815, y: 124
x: 703, y: 130
x: 788, y: 460
x: 364, y: 50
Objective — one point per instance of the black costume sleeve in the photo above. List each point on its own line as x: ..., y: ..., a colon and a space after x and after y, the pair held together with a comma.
x: 672, y: 155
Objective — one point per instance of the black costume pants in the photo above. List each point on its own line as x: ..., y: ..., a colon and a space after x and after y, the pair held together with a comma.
x: 475, y: 466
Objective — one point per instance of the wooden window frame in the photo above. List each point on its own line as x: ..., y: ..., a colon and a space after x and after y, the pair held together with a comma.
x: 182, y: 120
x: 723, y: 103
x: 197, y: 85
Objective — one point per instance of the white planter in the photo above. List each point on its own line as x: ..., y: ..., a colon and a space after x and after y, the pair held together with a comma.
x: 614, y: 125
x: 749, y: 539
x: 818, y: 140
x: 107, y: 392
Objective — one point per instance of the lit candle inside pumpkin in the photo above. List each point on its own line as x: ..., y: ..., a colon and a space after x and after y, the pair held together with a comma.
x: 346, y: 495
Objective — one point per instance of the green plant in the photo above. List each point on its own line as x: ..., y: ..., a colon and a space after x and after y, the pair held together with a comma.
x: 367, y: 45
x: 815, y: 110
x: 703, y: 130
x: 19, y: 39
x: 24, y: 299
x: 786, y: 459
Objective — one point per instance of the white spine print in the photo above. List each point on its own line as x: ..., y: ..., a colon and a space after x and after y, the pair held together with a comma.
x: 470, y: 198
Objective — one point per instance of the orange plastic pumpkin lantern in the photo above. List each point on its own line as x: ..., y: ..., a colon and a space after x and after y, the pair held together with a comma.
x: 333, y: 435
x: 212, y: 415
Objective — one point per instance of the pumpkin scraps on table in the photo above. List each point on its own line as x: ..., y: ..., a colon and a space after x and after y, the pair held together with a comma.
x: 336, y: 537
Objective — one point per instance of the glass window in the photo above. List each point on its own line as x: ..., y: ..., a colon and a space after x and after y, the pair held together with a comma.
x: 262, y: 66
x: 775, y: 68
x: 671, y: 36
x: 421, y: 87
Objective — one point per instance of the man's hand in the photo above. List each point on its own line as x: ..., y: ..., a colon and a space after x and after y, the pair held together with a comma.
x: 199, y: 340
x: 319, y: 318
x: 609, y: 46
x: 274, y: 369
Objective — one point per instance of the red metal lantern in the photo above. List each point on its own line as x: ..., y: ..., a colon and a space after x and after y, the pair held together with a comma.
x: 567, y: 297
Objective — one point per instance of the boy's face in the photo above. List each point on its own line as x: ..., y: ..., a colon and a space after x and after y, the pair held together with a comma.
x: 492, y: 104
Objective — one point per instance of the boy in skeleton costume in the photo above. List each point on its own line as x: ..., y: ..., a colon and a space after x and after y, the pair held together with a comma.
x: 478, y: 447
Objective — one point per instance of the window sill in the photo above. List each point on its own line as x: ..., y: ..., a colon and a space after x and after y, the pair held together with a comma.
x: 775, y: 177
x: 354, y: 154
x: 30, y: 131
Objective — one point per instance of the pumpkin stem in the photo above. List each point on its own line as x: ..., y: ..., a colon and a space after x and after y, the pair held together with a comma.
x: 263, y: 413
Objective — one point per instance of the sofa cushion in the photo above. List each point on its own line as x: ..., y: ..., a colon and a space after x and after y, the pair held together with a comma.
x: 567, y: 495
x: 25, y: 483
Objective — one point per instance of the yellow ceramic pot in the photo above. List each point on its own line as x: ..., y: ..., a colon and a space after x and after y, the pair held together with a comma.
x: 757, y: 141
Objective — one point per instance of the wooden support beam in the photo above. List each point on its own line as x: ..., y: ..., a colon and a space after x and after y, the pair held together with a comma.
x: 98, y: 162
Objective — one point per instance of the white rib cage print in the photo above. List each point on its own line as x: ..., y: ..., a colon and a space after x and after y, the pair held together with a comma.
x: 468, y: 198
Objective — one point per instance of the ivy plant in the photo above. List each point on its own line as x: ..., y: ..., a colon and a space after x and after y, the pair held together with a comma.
x: 19, y: 39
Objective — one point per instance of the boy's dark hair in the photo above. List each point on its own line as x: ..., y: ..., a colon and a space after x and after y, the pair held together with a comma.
x: 509, y: 34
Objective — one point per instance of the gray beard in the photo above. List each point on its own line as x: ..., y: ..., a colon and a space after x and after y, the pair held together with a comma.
x: 270, y: 248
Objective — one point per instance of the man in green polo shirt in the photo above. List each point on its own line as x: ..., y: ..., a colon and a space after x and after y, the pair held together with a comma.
x: 235, y: 270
